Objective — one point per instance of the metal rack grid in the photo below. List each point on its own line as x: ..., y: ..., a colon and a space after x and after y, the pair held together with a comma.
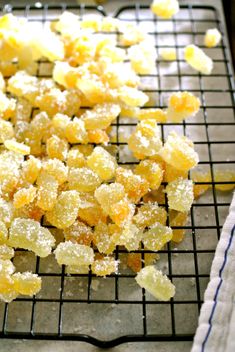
x: 57, y: 313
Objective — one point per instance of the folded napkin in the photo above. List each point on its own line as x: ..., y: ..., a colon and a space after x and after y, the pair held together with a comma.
x: 216, y: 327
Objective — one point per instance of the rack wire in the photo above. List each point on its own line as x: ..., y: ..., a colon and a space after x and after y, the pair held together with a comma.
x: 70, y: 307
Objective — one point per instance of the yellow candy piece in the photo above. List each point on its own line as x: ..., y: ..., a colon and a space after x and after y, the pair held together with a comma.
x: 7, y: 106
x: 128, y: 235
x: 79, y: 233
x: 212, y: 37
x: 104, y: 266
x: 143, y: 57
x: 57, y: 148
x: 14, y: 146
x: 146, y: 139
x: 171, y: 173
x: 102, y: 163
x: 121, y: 212
x: 59, y: 123
x: 31, y: 169
x: 178, y: 219
x: 182, y: 105
x: 180, y: 194
x: 65, y: 210
x: 6, y: 130
x: 151, y: 171
x: 107, y: 195
x: 157, y: 236
x: 168, y: 54
x: 24, y: 196
x: 102, y: 238
x: 28, y: 234
x: 101, y: 116
x: 75, y: 158
x: 155, y: 283
x: 132, y: 96
x: 27, y: 283
x: 75, y: 131
x: 150, y: 213
x: 70, y: 253
x: 47, y: 191
x: 131, y: 34
x: 83, y: 179
x: 178, y: 151
x: 135, y: 186
x: 158, y: 115
x: 197, y: 59
x: 90, y: 210
x: 6, y: 252
x: 57, y: 169
x: 165, y: 8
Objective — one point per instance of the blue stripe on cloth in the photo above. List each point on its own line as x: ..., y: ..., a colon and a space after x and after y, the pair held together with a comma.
x: 217, y: 289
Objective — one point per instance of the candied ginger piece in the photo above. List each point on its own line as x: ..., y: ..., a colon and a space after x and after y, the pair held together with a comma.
x: 121, y: 212
x: 135, y: 186
x: 27, y: 283
x: 75, y: 158
x: 178, y: 219
x: 102, y: 163
x: 157, y: 236
x: 128, y: 235
x: 180, y: 194
x: 47, y: 191
x: 158, y: 115
x: 134, y: 260
x: 98, y: 136
x: 48, y: 44
x: 132, y: 96
x: 59, y: 124
x: 145, y: 139
x: 6, y: 252
x: 40, y: 124
x: 79, y: 233
x: 24, y: 196
x: 107, y: 195
x: 83, y: 179
x: 178, y: 151
x: 102, y: 238
x: 31, y: 169
x: 23, y: 85
x: 171, y: 173
x: 65, y: 210
x: 142, y: 57
x: 57, y: 169
x: 168, y: 54
x: 197, y: 59
x: 165, y: 8
x: 151, y: 171
x: 70, y: 253
x: 90, y: 210
x: 29, y: 234
x: 104, y: 266
x: 101, y: 116
x: 224, y: 176
x: 150, y: 213
x: 155, y: 283
x: 131, y: 34
x: 57, y: 148
x: 65, y: 74
x: 182, y: 105
x: 6, y: 130
x: 197, y: 176
x: 7, y: 106
x: 14, y: 146
x: 3, y: 232
x: 75, y: 131
x: 212, y: 37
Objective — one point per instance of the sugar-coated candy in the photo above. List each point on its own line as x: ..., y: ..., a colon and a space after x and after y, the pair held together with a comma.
x: 14, y: 146
x: 70, y: 253
x: 57, y: 169
x: 178, y: 151
x: 165, y: 8
x: 155, y: 283
x: 6, y: 130
x: 212, y: 37
x: 107, y: 195
x: 65, y: 210
x: 132, y: 96
x: 182, y: 105
x: 150, y: 213
x: 156, y: 114
x: 79, y: 233
x: 102, y: 163
x: 29, y: 234
x: 75, y: 158
x: 24, y: 196
x: 180, y: 194
x: 156, y: 236
x: 27, y: 283
x: 47, y: 191
x: 101, y: 116
x: 104, y: 266
x: 90, y: 210
x: 75, y: 131
x: 197, y: 59
x: 57, y: 148
x: 83, y: 179
x: 102, y: 238
x: 151, y: 171
x: 171, y: 173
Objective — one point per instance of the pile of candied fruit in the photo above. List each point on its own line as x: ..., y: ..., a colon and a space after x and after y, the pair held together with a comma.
x: 61, y: 188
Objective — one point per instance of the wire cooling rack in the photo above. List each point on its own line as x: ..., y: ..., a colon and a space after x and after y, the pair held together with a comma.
x: 107, y: 312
